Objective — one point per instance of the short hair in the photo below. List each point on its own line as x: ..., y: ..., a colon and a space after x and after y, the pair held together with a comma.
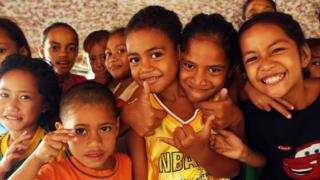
x: 157, y: 17
x: 15, y: 33
x: 247, y: 3
x: 47, y: 83
x: 313, y: 42
x: 119, y: 30
x: 285, y: 21
x: 56, y: 25
x: 93, y: 38
x: 220, y: 31
x: 87, y: 93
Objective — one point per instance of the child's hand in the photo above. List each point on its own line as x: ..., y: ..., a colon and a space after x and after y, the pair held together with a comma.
x: 15, y: 152
x: 140, y: 114
x: 266, y: 103
x: 188, y: 141
x: 53, y: 143
x: 226, y: 113
x: 228, y: 144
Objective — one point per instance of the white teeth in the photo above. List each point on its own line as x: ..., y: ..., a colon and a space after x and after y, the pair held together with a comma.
x: 273, y: 79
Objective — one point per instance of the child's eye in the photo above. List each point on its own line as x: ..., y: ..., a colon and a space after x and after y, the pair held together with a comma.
x: 81, y: 131
x: 121, y: 50
x: 133, y: 60
x: 24, y: 97
x: 4, y: 95
x: 2, y: 50
x: 54, y: 48
x: 187, y: 65
x: 108, y: 54
x: 72, y: 48
x: 251, y: 59
x: 316, y: 62
x: 105, y: 129
x: 92, y: 59
x: 215, y: 69
x: 155, y: 55
x: 277, y: 50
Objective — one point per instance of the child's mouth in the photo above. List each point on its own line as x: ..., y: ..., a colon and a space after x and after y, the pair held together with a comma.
x: 10, y: 117
x: 63, y: 64
x: 94, y: 156
x: 151, y: 80
x: 274, y: 79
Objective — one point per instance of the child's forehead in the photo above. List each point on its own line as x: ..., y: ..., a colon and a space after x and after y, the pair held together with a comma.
x: 61, y: 33
x: 90, y: 114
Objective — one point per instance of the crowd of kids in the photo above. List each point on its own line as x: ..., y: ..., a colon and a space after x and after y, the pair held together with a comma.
x: 167, y: 102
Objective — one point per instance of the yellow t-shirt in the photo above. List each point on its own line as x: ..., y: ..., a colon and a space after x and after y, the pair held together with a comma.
x: 166, y: 162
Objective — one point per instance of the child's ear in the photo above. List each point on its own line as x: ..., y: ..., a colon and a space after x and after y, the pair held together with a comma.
x: 305, y: 55
x: 23, y: 51
x: 58, y: 125
x: 41, y: 51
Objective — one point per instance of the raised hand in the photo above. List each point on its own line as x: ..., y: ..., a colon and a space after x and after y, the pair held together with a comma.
x: 188, y: 141
x: 228, y: 144
x: 15, y: 152
x: 266, y: 103
x: 140, y: 114
x: 53, y: 143
x: 226, y: 113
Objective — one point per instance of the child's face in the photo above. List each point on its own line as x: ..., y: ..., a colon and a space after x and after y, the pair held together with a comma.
x: 60, y: 47
x: 7, y: 45
x: 153, y: 58
x: 97, y: 57
x: 256, y: 7
x: 20, y: 100
x: 203, y: 69
x: 271, y: 59
x: 96, y: 128
x: 117, y: 57
x: 314, y: 66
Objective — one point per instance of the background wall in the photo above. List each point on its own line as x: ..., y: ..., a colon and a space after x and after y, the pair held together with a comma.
x: 87, y: 16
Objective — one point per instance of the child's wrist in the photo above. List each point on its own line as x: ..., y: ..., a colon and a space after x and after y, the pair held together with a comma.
x: 244, y: 153
x: 35, y: 158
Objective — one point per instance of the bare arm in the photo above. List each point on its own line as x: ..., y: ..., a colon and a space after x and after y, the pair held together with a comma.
x: 137, y: 150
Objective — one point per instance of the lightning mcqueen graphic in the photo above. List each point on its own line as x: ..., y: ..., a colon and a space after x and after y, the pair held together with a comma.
x: 306, y: 163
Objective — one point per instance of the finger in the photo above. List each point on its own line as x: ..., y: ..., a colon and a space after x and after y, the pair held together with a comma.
x: 222, y: 95
x: 146, y: 88
x: 267, y: 107
x: 61, y: 137
x: 23, y: 138
x: 225, y: 133
x: 19, y: 148
x: 206, y: 130
x: 285, y: 103
x: 160, y: 114
x: 167, y: 140
x: 281, y: 109
x: 56, y: 145
x: 179, y: 133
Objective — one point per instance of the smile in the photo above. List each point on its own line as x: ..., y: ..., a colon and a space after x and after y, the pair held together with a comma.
x: 272, y: 80
x: 151, y: 80
x: 12, y: 117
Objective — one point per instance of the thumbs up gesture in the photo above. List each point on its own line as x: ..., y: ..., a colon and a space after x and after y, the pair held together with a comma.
x: 188, y: 141
x: 226, y: 113
x: 140, y: 115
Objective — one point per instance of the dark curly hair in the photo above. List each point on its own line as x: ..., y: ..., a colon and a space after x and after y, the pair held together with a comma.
x: 88, y: 92
x: 157, y: 17
x: 15, y: 33
x: 247, y: 3
x: 56, y: 25
x: 46, y: 80
x: 285, y: 21
x: 215, y: 28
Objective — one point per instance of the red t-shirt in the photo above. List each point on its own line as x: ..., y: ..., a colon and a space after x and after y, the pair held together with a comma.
x: 71, y: 168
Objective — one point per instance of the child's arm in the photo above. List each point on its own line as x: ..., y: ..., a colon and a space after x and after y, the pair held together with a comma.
x: 14, y: 153
x: 48, y: 149
x: 229, y: 145
x: 136, y: 145
x: 266, y: 103
x: 196, y: 145
x: 147, y: 119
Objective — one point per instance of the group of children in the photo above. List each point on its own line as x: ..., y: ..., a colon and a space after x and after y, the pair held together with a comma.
x: 165, y: 97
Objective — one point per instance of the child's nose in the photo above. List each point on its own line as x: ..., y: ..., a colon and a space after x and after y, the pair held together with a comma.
x: 94, y: 140
x: 199, y: 78
x: 12, y: 104
x: 266, y: 64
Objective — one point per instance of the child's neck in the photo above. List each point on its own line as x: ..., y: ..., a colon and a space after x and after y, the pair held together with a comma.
x: 302, y: 95
x: 15, y: 134
x: 64, y: 77
x: 173, y: 97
